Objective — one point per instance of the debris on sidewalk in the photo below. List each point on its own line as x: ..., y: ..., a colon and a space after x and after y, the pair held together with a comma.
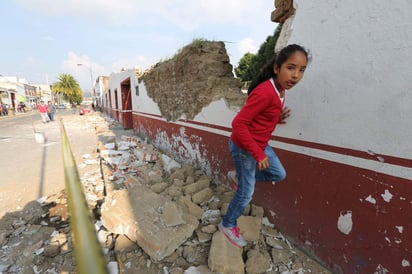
x: 152, y: 215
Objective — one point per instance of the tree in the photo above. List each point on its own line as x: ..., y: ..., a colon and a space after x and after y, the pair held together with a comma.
x: 244, y: 64
x: 69, y: 88
x: 250, y: 64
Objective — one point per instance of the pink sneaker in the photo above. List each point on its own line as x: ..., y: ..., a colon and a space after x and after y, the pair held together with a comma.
x: 231, y: 175
x: 233, y: 235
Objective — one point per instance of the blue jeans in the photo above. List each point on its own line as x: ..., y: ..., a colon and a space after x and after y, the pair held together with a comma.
x: 51, y: 115
x: 247, y: 175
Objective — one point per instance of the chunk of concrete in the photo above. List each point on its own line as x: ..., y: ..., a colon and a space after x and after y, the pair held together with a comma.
x: 157, y: 224
x: 250, y: 227
x: 224, y: 257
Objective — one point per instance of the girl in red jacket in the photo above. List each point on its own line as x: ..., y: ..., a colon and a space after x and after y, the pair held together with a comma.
x: 252, y: 129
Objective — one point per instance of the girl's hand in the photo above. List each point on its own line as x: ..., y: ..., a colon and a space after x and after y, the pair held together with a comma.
x: 264, y: 164
x: 284, y: 115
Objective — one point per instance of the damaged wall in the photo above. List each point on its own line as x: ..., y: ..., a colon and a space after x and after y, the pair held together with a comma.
x: 345, y: 147
x: 283, y: 10
x: 359, y: 81
x: 196, y: 76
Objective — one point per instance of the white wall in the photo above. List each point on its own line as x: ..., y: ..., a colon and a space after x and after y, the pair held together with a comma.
x: 114, y: 83
x: 357, y: 91
x: 143, y: 103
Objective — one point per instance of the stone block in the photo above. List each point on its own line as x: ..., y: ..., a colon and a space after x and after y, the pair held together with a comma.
x: 224, y: 257
x: 157, y: 224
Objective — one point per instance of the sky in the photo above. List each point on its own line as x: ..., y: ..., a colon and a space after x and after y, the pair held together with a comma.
x: 41, y: 39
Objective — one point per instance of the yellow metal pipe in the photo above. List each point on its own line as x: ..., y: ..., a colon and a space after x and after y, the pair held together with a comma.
x: 87, y: 251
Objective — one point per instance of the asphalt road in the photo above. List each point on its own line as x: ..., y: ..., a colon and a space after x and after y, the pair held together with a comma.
x: 30, y: 170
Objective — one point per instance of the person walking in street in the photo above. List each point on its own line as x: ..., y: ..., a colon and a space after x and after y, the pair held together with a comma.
x: 74, y: 108
x: 43, y: 110
x: 52, y: 110
x: 4, y: 109
x: 252, y: 129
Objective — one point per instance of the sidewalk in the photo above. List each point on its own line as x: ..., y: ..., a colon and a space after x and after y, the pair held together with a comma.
x: 156, y: 216
x: 16, y: 114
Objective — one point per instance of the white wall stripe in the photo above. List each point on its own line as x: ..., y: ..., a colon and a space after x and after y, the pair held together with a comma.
x: 376, y: 166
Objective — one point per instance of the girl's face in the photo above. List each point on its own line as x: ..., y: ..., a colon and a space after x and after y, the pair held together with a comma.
x: 291, y: 71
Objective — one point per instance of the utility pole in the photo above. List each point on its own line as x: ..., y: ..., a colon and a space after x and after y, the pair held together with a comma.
x: 91, y: 78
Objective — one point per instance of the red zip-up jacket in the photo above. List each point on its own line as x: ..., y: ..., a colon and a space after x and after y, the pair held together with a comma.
x: 252, y: 127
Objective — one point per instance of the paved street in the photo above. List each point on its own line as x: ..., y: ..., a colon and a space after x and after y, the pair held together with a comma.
x: 30, y: 170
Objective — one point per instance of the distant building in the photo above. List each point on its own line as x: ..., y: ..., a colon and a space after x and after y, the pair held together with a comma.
x: 101, y: 87
x: 44, y: 92
x: 14, y: 90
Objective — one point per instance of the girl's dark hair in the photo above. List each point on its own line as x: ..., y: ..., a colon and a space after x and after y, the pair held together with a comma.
x: 267, y: 71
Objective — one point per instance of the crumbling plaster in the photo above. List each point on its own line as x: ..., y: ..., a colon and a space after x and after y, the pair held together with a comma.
x: 197, y: 76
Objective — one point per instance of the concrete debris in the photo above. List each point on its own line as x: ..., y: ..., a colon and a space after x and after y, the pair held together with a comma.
x: 151, y: 214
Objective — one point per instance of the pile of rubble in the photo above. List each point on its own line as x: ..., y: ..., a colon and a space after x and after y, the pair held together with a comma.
x: 152, y: 215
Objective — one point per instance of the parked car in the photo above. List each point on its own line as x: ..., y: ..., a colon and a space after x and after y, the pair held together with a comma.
x: 85, y: 109
x: 61, y: 106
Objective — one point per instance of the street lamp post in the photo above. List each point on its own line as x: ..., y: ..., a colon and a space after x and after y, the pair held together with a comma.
x: 91, y: 77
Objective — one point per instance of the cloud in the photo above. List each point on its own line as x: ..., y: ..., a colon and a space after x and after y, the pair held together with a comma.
x: 85, y: 73
x: 70, y: 64
x: 186, y: 15
x: 79, y: 8
x: 247, y: 45
x: 189, y: 15
x: 138, y: 61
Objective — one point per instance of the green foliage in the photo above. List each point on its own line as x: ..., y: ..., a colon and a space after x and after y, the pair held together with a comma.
x: 69, y: 88
x: 196, y: 43
x: 77, y: 98
x: 244, y: 64
x: 250, y: 64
